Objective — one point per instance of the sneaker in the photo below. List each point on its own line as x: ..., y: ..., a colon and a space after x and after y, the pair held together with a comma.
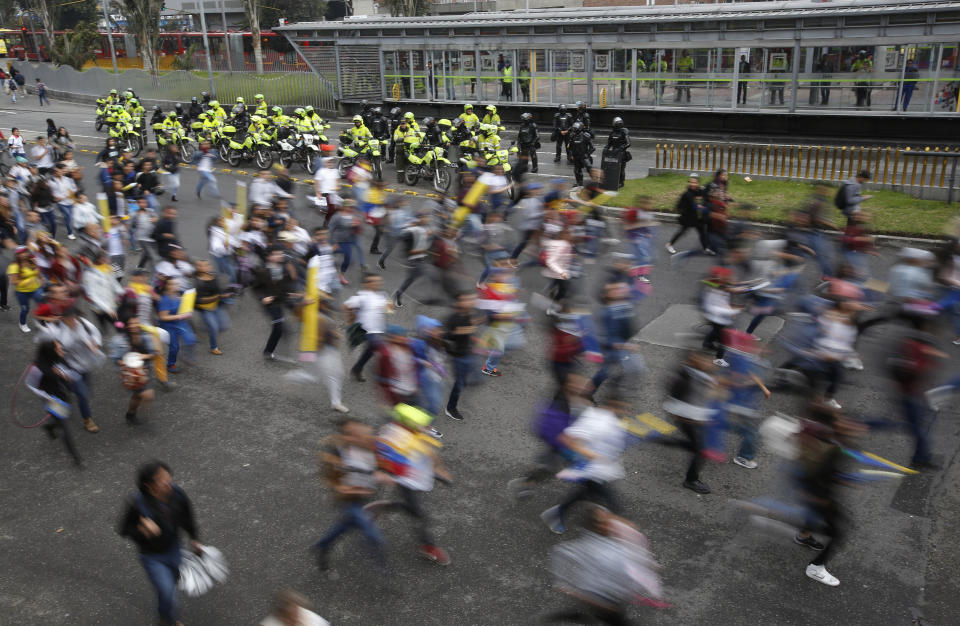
x: 322, y: 556
x: 173, y: 369
x: 833, y: 404
x: 956, y: 341
x: 24, y: 328
x: 435, y: 554
x: 454, y: 414
x: 551, y: 517
x: 71, y: 236
x: 853, y: 363
x: 721, y: 363
x: 340, y: 408
x: 744, y: 462
x: 671, y: 249
x: 519, y: 488
x: 131, y: 418
x: 90, y: 425
x: 381, y: 264
x: 810, y: 542
x: 645, y: 279
x: 820, y: 574
x: 377, y: 507
x: 174, y: 198
x: 396, y: 301
x: 697, y: 486
x: 4, y: 307
x: 493, y: 372
x: 710, y: 252
x: 433, y: 432
x: 358, y: 376
x: 216, y: 351
x: 756, y: 337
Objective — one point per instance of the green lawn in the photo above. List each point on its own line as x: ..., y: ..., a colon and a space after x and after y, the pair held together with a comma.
x: 893, y: 213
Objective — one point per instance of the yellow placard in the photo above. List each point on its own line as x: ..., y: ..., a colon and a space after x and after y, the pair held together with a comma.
x: 242, y: 198
x: 104, y: 207
x: 309, y: 314
x: 187, y: 302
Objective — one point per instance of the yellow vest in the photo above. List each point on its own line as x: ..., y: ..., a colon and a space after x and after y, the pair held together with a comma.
x: 508, y: 74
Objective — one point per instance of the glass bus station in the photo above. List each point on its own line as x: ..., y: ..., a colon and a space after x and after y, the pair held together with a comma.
x: 864, y: 58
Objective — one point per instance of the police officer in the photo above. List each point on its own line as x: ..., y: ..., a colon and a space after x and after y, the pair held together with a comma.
x: 359, y: 132
x: 157, y: 116
x: 239, y: 114
x: 581, y: 115
x: 684, y: 66
x: 195, y: 109
x: 204, y: 99
x: 619, y: 141
x: 528, y: 140
x: 469, y: 117
x: 181, y: 114
x: 863, y: 65
x: 581, y: 147
x: 432, y: 132
x: 395, y: 116
x: 260, y: 106
x: 491, y: 117
x: 402, y: 136
x: 562, y: 121
x: 379, y: 125
x: 366, y: 112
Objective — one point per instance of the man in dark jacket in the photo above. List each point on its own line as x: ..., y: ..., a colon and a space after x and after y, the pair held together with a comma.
x: 691, y: 215
x: 152, y: 519
x: 275, y: 284
x: 528, y: 140
x: 562, y: 121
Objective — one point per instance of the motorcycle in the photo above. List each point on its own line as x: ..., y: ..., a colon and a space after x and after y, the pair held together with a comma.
x: 254, y: 146
x: 428, y: 162
x: 101, y: 113
x: 299, y: 148
x: 501, y: 156
x: 351, y: 151
x: 166, y: 137
x: 128, y: 137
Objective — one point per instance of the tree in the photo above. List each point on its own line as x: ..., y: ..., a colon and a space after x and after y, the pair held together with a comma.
x: 69, y: 15
x: 143, y: 19
x: 408, y: 8
x: 8, y: 10
x: 76, y: 48
x: 296, y: 11
x: 254, y: 9
x: 43, y: 9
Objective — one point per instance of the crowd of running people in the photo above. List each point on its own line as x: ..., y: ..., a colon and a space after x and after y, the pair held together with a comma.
x: 495, y: 239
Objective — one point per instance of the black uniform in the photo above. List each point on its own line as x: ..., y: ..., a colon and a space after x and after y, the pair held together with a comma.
x: 195, y: 110
x: 380, y: 127
x: 395, y: 116
x: 562, y: 121
x: 619, y: 140
x: 583, y: 117
x: 581, y: 147
x: 528, y: 140
x: 433, y: 135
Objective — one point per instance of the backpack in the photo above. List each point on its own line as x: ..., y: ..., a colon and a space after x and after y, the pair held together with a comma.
x: 840, y: 200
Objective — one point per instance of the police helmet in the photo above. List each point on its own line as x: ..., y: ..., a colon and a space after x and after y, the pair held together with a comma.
x: 445, y: 122
x: 239, y: 99
x: 357, y: 118
x: 395, y: 111
x: 618, y: 122
x: 468, y: 107
x: 429, y: 121
x: 377, y: 111
x: 581, y: 105
x: 491, y: 108
x: 577, y: 126
x: 193, y: 99
x: 277, y: 110
x: 298, y: 111
x: 214, y: 103
x: 308, y: 108
x: 563, y: 107
x: 408, y: 116
x: 259, y: 96
x: 113, y: 92
x: 526, y: 117
x: 256, y: 118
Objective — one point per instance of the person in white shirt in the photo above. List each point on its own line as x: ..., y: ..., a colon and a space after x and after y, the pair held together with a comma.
x: 15, y: 144
x: 42, y: 155
x: 292, y: 609
x: 204, y: 159
x: 370, y: 306
x: 84, y: 213
x: 326, y: 184
x: 222, y: 244
x: 177, y: 268
x: 64, y: 190
x: 264, y: 189
x: 598, y: 437
x: 496, y: 183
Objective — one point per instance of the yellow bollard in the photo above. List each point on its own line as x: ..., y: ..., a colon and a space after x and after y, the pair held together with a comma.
x: 943, y: 169
x: 729, y: 154
x: 859, y: 162
x: 923, y: 170
x: 699, y: 155
x: 673, y: 154
x: 685, y: 146
x: 657, y: 152
x: 913, y: 172
x: 766, y: 168
x: 603, y: 98
x: 886, y: 165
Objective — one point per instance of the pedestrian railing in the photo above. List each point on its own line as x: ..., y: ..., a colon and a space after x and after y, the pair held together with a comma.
x: 915, y: 167
x: 283, y: 89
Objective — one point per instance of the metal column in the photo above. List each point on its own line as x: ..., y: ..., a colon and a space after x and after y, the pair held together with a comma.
x: 633, y: 80
x: 206, y: 46
x: 936, y: 78
x: 794, y: 74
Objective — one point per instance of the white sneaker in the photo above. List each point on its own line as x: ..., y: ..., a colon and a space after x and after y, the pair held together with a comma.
x: 24, y: 328
x: 853, y: 363
x: 71, y: 236
x: 340, y: 408
x: 720, y: 363
x: 743, y: 462
x: 820, y: 574
x: 833, y: 404
x: 671, y: 249
x: 956, y: 341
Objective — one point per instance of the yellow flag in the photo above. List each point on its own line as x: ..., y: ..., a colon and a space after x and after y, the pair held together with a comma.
x: 469, y: 201
x: 242, y: 199
x: 309, y: 314
x: 187, y: 301
x: 104, y: 207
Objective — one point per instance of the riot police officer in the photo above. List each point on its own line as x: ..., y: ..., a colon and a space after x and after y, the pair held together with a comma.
x: 204, y: 99
x: 528, y: 140
x: 366, y: 112
x: 396, y: 115
x: 432, y: 132
x: 181, y: 114
x: 562, y: 121
x: 379, y: 125
x: 619, y: 141
x: 581, y: 115
x: 581, y: 147
x: 195, y: 109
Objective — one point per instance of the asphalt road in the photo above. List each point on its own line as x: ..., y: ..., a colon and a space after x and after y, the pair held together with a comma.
x: 243, y: 445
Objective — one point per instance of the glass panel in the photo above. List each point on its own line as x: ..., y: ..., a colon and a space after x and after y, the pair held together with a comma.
x: 489, y: 77
x: 435, y: 74
x: 689, y: 71
x: 468, y: 73
x: 391, y: 77
x: 528, y: 75
x: 612, y: 73
x: 776, y: 84
x: 419, y: 75
x: 946, y: 95
x: 403, y: 73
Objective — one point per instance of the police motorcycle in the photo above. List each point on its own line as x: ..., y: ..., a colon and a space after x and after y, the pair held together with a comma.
x: 489, y: 147
x: 429, y: 163
x: 127, y: 135
x: 354, y: 148
x: 251, y: 146
x: 168, y: 135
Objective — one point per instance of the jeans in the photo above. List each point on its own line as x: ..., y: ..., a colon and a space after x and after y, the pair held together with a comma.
x: 180, y: 332
x: 353, y: 516
x: 49, y: 220
x: 66, y: 210
x: 462, y: 365
x: 24, y: 298
x: 207, y: 179
x: 173, y: 184
x: 163, y: 569
x: 821, y: 247
x: 227, y: 266
x: 431, y: 393
x: 642, y: 249
x: 629, y: 364
x: 589, y: 490
x: 275, y: 311
x: 216, y: 321
x: 345, y: 248
x: 524, y: 240
x: 148, y: 254
x: 917, y: 415
x: 81, y: 388
x: 415, y: 271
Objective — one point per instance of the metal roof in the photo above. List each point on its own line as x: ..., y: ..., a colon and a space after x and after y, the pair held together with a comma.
x: 606, y: 15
